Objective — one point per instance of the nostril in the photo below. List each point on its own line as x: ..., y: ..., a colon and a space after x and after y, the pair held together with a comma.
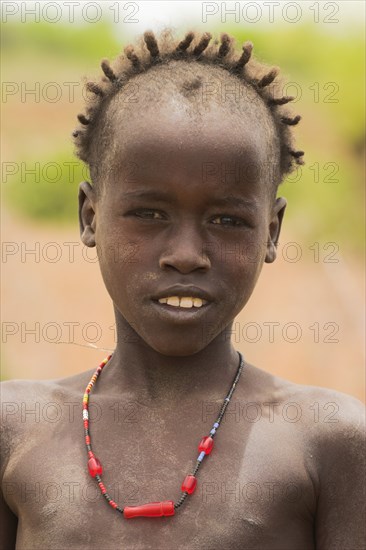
x: 183, y: 268
x: 185, y: 261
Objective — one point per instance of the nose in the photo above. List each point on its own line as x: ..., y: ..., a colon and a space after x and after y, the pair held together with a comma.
x: 185, y: 251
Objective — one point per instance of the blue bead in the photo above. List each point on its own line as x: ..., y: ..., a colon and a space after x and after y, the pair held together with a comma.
x: 201, y: 456
x: 213, y: 431
x: 216, y: 425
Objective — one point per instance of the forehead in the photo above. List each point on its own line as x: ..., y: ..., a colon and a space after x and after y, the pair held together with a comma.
x: 171, y: 130
x: 169, y: 139
x: 187, y: 140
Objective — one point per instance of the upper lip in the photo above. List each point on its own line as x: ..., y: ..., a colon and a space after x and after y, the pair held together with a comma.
x: 184, y: 290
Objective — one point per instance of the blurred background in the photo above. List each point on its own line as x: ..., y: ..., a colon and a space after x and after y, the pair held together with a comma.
x: 305, y: 320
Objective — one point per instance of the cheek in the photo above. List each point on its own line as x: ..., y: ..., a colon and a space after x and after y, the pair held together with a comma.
x: 245, y: 254
x: 117, y: 250
x: 125, y: 264
x: 241, y: 263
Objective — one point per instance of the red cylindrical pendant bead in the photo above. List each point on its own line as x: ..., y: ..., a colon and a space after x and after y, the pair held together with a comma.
x: 150, y: 510
x: 189, y: 484
x: 95, y: 467
x: 206, y: 445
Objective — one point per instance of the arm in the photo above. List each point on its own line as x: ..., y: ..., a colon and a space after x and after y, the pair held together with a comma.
x: 341, y: 511
x: 8, y: 526
x: 8, y: 520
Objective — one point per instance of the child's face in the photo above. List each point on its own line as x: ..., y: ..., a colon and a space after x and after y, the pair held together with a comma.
x: 186, y: 203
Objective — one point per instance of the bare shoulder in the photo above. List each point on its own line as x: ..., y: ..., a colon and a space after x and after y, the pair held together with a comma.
x: 327, y: 416
x: 29, y: 407
x: 20, y: 391
x: 333, y: 422
x: 337, y: 414
x: 340, y: 433
x: 335, y: 433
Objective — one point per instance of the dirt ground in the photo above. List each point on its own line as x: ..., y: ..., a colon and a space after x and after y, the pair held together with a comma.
x: 304, y: 321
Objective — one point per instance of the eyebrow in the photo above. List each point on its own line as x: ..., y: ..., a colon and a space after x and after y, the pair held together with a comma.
x: 229, y: 200
x: 232, y: 200
x: 147, y: 194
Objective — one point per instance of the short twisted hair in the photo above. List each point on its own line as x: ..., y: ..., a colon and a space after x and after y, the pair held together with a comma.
x: 187, y: 57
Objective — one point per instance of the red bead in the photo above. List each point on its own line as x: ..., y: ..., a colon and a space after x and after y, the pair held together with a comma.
x: 95, y: 467
x: 189, y: 484
x: 87, y: 439
x: 102, y: 488
x: 206, y: 445
x: 150, y: 510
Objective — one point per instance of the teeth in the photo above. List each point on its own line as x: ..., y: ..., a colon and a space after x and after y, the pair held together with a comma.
x: 184, y: 301
x: 173, y: 301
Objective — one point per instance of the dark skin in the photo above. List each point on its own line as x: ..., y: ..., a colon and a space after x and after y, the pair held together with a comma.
x: 187, y: 243
x: 271, y: 483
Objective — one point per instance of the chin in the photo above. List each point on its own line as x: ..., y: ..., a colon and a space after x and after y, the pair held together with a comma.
x: 179, y: 348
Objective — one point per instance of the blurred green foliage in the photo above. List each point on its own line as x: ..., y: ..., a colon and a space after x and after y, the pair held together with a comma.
x: 47, y: 189
x: 328, y: 72
x: 70, y: 44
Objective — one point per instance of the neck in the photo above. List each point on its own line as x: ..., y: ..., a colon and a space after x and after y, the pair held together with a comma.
x: 143, y: 373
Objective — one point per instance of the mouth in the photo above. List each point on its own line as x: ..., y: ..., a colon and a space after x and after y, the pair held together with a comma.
x: 182, y: 301
x: 186, y: 302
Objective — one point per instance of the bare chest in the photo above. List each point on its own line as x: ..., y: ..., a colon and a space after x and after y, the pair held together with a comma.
x: 253, y: 489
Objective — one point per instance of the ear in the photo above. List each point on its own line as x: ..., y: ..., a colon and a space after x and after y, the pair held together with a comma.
x: 274, y: 229
x: 87, y: 219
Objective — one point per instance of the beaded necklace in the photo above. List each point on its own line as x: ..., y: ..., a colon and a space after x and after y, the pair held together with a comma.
x: 166, y: 507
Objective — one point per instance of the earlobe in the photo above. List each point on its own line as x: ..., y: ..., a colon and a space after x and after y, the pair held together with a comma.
x: 275, y: 229
x: 87, y: 220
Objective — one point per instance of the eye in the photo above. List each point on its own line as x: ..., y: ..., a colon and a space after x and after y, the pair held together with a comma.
x: 148, y: 214
x: 228, y: 221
